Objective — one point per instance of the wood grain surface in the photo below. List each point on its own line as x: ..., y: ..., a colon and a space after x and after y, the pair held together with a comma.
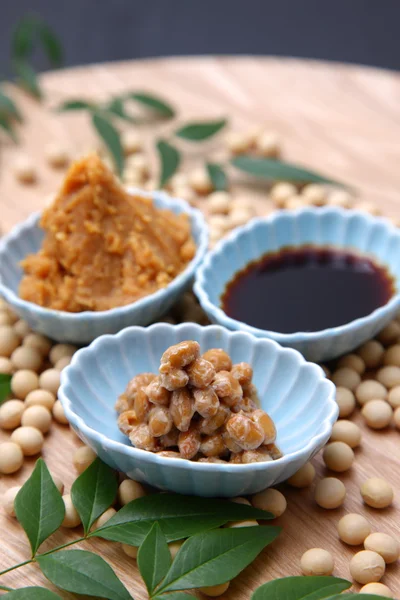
x: 341, y: 120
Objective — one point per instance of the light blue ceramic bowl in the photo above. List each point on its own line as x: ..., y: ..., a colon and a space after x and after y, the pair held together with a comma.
x: 84, y: 327
x: 295, y: 393
x: 337, y: 227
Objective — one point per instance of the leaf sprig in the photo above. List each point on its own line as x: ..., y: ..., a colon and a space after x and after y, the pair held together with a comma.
x: 30, y: 32
x: 170, y: 157
x: 150, y: 523
x: 102, y: 116
x: 209, y: 556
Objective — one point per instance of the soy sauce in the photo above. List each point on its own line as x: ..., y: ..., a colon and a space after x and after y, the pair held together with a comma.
x: 306, y: 288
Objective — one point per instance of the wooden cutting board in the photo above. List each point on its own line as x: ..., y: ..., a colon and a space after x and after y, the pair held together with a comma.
x: 341, y: 120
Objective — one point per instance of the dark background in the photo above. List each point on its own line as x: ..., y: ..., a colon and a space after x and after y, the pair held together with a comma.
x: 360, y: 31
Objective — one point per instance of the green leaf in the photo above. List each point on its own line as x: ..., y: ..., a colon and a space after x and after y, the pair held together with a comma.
x: 32, y: 593
x: 6, y: 125
x: 178, y: 516
x: 50, y: 44
x: 169, y: 160
x: 5, y: 381
x: 76, y: 104
x: 22, y: 38
x: 353, y: 595
x: 29, y: 30
x: 93, y: 492
x: 155, y: 103
x: 175, y: 596
x: 27, y: 78
x: 199, y: 131
x: 82, y: 572
x: 214, y: 557
x: 111, y: 138
x: 39, y: 506
x: 217, y: 176
x: 271, y: 169
x: 9, y: 108
x: 116, y: 107
x: 154, y: 558
x: 301, y: 588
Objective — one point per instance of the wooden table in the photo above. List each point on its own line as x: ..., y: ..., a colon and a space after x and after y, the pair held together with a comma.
x: 341, y: 120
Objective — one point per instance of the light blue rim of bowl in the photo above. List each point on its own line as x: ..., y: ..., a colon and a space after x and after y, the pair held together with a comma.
x: 161, y: 200
x: 150, y: 457
x: 287, y: 339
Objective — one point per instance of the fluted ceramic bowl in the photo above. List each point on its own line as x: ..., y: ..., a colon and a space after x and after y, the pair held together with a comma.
x: 295, y: 393
x: 336, y: 227
x: 83, y: 327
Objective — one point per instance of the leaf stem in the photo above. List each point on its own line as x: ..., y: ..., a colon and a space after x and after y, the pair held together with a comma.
x: 57, y: 548
x: 4, y: 588
x: 26, y: 562
x: 31, y: 560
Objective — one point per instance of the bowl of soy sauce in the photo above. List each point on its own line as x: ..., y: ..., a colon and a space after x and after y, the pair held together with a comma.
x: 320, y: 280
